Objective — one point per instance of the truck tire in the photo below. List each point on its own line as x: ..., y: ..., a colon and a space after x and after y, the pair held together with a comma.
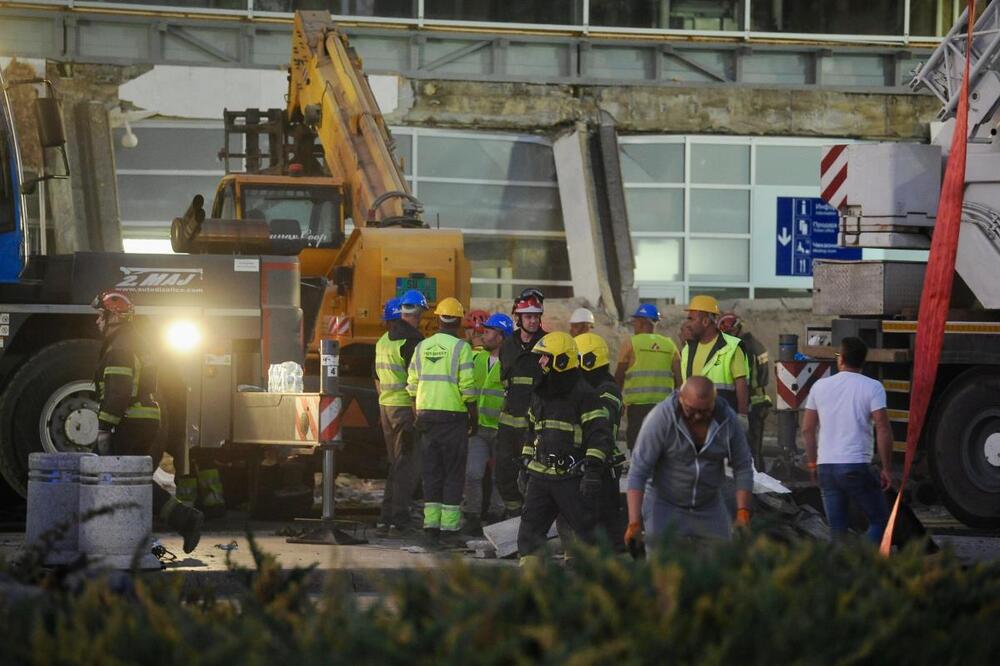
x: 964, y: 448
x: 48, y: 405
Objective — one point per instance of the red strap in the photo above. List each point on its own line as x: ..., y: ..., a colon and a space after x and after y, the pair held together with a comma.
x: 936, y: 296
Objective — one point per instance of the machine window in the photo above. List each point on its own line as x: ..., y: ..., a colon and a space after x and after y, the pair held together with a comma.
x: 316, y: 209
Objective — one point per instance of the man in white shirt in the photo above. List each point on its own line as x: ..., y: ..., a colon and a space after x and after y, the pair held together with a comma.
x: 844, y: 407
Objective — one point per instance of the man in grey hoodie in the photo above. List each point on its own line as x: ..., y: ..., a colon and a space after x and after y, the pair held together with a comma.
x: 677, y: 470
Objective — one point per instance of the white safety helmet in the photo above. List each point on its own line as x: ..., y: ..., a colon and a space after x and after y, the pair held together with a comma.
x: 582, y: 316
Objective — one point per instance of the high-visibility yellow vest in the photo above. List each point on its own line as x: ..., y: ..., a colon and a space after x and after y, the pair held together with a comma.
x: 718, y: 365
x: 490, y: 388
x: 391, y: 372
x: 440, y: 376
x: 650, y: 378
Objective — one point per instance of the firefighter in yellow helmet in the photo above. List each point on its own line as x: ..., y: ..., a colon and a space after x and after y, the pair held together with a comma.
x: 566, y: 449
x: 713, y: 354
x: 442, y: 383
x: 595, y: 359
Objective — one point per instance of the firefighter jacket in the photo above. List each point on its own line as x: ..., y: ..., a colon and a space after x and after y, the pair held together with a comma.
x: 718, y: 366
x: 650, y: 378
x: 566, y: 425
x: 490, y: 389
x: 441, y: 374
x: 393, y: 353
x: 125, y: 379
x: 611, y: 397
x: 519, y: 371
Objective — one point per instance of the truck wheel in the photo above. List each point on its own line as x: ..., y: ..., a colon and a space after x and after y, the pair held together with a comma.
x: 964, y: 448
x: 48, y: 405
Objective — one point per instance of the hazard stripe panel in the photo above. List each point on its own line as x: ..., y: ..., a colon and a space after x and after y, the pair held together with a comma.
x: 967, y: 327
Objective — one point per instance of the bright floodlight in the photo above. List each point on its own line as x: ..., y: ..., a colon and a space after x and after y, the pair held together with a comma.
x: 183, y: 336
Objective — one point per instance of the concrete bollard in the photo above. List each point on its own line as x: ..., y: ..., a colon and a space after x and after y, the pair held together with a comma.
x: 53, y: 504
x: 122, y: 537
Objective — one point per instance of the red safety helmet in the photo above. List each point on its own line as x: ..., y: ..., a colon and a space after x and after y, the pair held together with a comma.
x: 475, y: 320
x: 730, y: 324
x: 113, y: 302
x: 530, y: 301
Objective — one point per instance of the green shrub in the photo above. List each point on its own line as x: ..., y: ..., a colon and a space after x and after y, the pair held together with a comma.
x: 754, y: 601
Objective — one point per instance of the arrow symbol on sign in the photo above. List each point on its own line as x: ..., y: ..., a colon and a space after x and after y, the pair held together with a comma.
x: 785, y: 238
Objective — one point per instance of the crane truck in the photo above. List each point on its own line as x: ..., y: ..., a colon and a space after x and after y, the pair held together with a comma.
x: 237, y: 302
x: 887, y: 197
x: 321, y: 167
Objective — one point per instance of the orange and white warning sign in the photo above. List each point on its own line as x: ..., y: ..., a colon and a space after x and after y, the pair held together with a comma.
x: 795, y: 378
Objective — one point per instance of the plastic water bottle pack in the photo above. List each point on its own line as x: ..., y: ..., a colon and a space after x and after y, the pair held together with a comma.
x: 284, y: 378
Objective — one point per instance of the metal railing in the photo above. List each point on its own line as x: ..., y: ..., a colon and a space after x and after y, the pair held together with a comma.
x: 747, y: 20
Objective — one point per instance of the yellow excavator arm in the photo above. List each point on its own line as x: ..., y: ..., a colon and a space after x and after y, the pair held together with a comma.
x: 329, y: 93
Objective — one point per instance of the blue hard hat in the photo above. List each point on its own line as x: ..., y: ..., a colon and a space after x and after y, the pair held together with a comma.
x: 392, y: 310
x: 500, y: 322
x: 647, y: 311
x: 413, y: 299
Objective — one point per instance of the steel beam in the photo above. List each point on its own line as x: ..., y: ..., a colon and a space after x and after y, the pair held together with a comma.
x: 109, y: 37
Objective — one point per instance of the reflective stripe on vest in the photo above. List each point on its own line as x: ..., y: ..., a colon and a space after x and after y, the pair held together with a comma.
x: 650, y: 378
x: 718, y: 366
x: 490, y: 389
x: 440, y: 376
x: 391, y: 372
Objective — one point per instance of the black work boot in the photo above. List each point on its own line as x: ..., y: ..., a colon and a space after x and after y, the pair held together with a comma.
x: 432, y: 538
x: 472, y: 525
x: 185, y: 520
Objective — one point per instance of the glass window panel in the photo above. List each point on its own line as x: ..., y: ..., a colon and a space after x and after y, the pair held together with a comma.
x: 721, y: 293
x: 788, y: 165
x: 718, y: 260
x: 182, y: 148
x: 658, y: 259
x: 517, y: 258
x: 933, y: 18
x: 543, y: 60
x: 676, y: 15
x: 720, y: 211
x: 392, y: 8
x: 846, y: 17
x: 486, y: 159
x: 161, y: 198
x: 720, y: 163
x: 652, y: 162
x: 559, y: 12
x: 381, y: 53
x: 655, y: 209
x: 491, y: 206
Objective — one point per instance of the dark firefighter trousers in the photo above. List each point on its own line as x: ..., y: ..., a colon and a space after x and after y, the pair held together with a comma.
x: 510, y: 440
x: 545, y: 500
x: 139, y: 437
x: 402, y: 447
x: 445, y: 444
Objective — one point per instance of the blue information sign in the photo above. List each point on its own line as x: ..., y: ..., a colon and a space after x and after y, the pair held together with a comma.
x: 807, y: 230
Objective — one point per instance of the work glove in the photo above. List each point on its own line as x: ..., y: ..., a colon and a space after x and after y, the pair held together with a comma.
x: 633, y: 535
x: 742, y: 518
x: 103, y: 443
x: 590, y: 484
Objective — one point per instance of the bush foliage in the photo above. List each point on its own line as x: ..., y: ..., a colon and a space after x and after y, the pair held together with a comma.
x: 754, y: 601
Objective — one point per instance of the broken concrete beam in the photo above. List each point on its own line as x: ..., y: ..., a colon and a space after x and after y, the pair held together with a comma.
x: 503, y: 535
